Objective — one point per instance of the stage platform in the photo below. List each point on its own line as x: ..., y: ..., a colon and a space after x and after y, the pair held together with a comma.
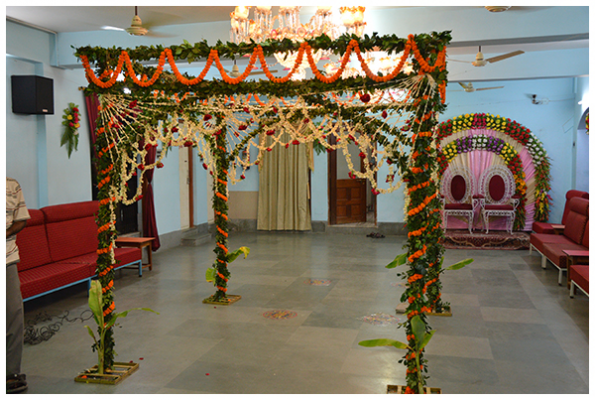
x: 495, y: 240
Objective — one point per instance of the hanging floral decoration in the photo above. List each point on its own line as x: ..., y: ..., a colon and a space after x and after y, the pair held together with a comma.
x: 474, y: 123
x: 223, y: 118
x: 587, y: 123
x: 71, y: 122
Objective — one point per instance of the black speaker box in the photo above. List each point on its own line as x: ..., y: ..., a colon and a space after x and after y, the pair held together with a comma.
x: 32, y: 94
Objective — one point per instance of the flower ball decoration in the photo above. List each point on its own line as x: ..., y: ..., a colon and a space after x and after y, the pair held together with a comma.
x: 71, y: 122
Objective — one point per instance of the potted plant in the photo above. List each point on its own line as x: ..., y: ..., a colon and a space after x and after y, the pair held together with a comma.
x: 418, y: 333
x: 213, y: 274
x: 418, y: 341
x: 102, y: 373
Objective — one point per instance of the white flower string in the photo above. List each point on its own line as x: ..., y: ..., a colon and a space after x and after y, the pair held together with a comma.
x: 285, y: 122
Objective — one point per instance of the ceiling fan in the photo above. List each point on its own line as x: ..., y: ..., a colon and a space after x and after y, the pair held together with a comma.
x: 468, y: 87
x: 480, y: 61
x: 136, y: 27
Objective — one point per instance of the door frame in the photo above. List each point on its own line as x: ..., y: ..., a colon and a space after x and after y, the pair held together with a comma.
x: 332, y: 184
x: 332, y: 181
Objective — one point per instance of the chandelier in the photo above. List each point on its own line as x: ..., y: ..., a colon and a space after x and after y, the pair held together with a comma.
x: 287, y: 25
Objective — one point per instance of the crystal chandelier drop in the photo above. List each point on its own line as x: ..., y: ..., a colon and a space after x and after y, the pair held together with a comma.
x: 287, y: 25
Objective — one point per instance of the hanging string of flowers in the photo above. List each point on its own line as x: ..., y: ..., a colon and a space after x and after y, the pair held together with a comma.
x: 71, y: 122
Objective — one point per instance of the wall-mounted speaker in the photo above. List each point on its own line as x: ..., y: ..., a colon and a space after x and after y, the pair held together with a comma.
x: 32, y: 94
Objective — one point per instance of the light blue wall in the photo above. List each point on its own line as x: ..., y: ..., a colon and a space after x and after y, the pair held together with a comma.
x: 33, y: 153
x: 34, y: 156
x: 166, y: 192
x: 319, y: 189
x: 582, y: 139
x: 201, y: 200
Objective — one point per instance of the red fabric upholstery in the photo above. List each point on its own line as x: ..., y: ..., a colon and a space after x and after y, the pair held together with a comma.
x: 585, y: 241
x: 71, y: 223
x: 555, y: 252
x: 539, y: 239
x: 457, y: 206
x: 576, y: 220
x: 33, y: 244
x: 70, y: 211
x: 497, y: 187
x: 499, y: 207
x: 458, y: 187
x: 59, y: 247
x: 40, y: 280
x: 580, y: 275
x: 569, y: 195
x: 543, y: 227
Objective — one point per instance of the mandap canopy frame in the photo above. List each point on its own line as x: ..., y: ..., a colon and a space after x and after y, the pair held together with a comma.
x: 224, y: 118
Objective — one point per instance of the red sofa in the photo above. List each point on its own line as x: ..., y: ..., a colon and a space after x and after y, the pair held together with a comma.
x: 544, y: 227
x: 578, y: 275
x: 574, y: 237
x: 58, y: 248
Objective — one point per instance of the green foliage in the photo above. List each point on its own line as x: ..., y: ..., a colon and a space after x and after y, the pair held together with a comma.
x: 234, y: 254
x: 96, y: 306
x: 399, y: 260
x: 211, y: 273
x: 459, y: 265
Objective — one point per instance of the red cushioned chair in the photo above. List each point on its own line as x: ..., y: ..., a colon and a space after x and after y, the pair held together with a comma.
x: 457, y: 188
x: 544, y: 227
x: 497, y: 187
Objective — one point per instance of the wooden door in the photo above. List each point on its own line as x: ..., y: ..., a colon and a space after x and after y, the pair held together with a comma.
x: 347, y: 197
x: 351, y: 201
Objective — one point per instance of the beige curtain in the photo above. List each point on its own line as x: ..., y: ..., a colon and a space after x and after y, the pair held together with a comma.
x: 283, y: 191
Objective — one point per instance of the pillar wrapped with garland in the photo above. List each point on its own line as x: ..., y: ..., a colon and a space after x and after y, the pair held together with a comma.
x: 107, y: 179
x: 220, y: 208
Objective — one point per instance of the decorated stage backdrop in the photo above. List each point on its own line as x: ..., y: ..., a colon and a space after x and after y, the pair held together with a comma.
x: 480, y: 141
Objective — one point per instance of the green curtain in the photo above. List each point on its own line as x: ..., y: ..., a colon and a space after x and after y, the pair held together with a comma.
x: 283, y: 192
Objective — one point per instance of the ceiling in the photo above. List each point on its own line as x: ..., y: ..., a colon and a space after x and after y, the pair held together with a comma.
x: 80, y: 19
x: 469, y: 22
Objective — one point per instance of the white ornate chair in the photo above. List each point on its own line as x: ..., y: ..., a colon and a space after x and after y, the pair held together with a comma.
x: 457, y: 188
x: 497, y: 199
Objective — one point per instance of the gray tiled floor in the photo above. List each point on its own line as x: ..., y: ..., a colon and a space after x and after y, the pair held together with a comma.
x: 513, y: 329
